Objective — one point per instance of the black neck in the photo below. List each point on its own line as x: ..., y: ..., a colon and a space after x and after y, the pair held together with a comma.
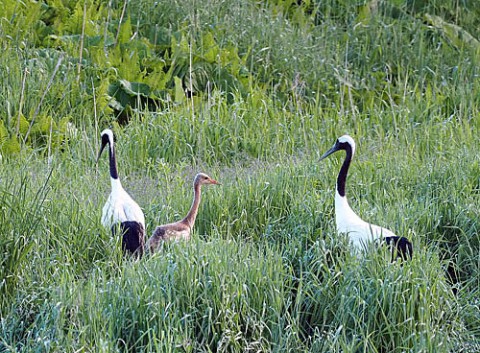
x: 113, y: 162
x: 342, y: 176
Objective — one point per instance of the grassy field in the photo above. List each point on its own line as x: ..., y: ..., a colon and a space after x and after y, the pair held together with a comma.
x: 251, y: 93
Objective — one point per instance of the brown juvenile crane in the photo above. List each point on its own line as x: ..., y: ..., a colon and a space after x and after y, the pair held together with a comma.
x: 181, y: 230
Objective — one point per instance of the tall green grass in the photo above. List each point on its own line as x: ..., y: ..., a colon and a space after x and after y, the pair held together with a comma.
x: 21, y: 209
x: 265, y: 269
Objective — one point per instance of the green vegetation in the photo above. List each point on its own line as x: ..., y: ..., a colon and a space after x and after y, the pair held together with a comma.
x: 251, y: 93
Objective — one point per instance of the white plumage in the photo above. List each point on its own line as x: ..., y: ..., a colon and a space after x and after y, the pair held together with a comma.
x: 360, y: 233
x: 120, y: 207
x: 121, y: 213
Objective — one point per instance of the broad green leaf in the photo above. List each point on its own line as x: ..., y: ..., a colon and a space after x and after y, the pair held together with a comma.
x: 125, y: 32
x: 135, y: 88
x: 11, y: 145
x: 210, y: 47
x: 3, y: 132
x: 179, y: 92
x: 453, y: 33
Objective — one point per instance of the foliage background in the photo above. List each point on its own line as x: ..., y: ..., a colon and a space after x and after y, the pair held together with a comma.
x: 251, y: 92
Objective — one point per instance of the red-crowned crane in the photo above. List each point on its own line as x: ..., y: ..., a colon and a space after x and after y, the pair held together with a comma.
x: 121, y: 213
x: 360, y: 233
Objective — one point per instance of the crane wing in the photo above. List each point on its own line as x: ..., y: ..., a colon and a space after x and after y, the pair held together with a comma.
x: 133, y: 212
x: 121, y: 209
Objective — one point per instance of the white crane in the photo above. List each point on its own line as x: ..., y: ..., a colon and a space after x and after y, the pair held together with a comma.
x: 121, y: 213
x: 360, y: 232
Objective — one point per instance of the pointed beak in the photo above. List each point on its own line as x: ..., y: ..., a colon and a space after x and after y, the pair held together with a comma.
x: 213, y: 181
x: 101, y: 150
x: 329, y: 152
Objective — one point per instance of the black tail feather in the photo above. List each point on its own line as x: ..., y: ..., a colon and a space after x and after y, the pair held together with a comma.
x: 133, y: 237
x: 401, y: 247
